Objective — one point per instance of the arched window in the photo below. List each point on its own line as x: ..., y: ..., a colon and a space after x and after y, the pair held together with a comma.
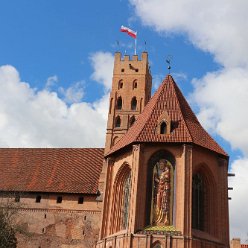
x: 120, y: 84
x: 118, y: 121
x: 163, y: 128
x: 119, y: 103
x: 157, y: 245
x: 134, y: 103
x: 121, y: 199
x: 198, y: 202
x: 135, y: 84
x: 132, y: 120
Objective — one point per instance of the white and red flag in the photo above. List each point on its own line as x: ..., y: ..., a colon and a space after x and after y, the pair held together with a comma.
x: 129, y: 31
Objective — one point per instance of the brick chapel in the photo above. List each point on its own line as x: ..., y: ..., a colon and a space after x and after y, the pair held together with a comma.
x: 160, y: 182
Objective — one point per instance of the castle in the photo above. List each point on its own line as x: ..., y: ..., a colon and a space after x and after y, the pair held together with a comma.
x: 161, y: 180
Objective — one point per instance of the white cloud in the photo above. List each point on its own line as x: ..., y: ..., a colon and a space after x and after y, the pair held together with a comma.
x: 220, y: 28
x: 74, y: 93
x: 31, y: 118
x: 51, y: 81
x: 102, y: 63
x: 215, y: 26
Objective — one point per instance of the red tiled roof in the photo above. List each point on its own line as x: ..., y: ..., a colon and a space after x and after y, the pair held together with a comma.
x: 50, y: 169
x: 185, y: 126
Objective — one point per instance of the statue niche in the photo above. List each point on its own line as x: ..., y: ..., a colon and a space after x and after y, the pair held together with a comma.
x: 161, y: 202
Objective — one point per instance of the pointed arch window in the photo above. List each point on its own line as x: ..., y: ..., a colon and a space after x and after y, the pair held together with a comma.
x: 118, y: 121
x: 120, y: 84
x: 119, y: 103
x: 121, y: 201
x: 134, y: 103
x: 198, y: 202
x: 135, y: 84
x: 132, y: 120
x: 163, y: 128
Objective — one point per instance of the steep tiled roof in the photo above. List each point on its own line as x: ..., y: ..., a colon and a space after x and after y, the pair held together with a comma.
x: 185, y: 126
x: 50, y: 169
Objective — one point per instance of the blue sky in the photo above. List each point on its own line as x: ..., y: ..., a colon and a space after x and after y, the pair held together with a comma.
x: 56, y: 60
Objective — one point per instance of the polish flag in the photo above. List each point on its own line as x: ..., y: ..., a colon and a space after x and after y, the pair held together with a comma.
x: 129, y: 31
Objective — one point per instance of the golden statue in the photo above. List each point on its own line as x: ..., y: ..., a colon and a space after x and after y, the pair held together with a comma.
x: 161, y: 194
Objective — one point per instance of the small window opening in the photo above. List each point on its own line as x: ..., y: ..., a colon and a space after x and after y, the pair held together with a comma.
x: 118, y: 121
x: 80, y: 200
x: 134, y: 103
x: 122, y: 70
x: 119, y: 103
x: 85, y: 217
x: 43, y: 230
x: 132, y: 120
x: 38, y: 199
x: 120, y: 84
x: 59, y: 199
x: 163, y: 128
x: 17, y: 198
x: 135, y: 84
x: 45, y: 216
x: 136, y: 70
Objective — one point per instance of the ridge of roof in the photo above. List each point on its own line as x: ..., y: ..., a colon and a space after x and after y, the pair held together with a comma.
x: 185, y: 126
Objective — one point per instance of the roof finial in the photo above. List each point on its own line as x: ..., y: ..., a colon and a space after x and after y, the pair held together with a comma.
x: 168, y: 61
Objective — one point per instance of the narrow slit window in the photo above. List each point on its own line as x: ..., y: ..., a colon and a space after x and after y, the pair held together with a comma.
x: 17, y: 198
x: 120, y: 84
x: 80, y: 200
x: 135, y: 84
x: 59, y: 199
x: 38, y: 199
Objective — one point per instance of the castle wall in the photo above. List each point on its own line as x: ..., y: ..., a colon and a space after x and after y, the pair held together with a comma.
x: 49, y: 224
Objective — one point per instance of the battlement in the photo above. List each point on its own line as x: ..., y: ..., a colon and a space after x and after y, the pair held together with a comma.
x: 130, y: 65
x: 118, y: 57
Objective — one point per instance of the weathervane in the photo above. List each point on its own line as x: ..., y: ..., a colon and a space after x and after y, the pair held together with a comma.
x: 168, y: 61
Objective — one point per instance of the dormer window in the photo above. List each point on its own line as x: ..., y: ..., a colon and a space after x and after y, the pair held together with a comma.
x: 163, y: 128
x: 119, y: 103
x: 117, y: 121
x: 164, y: 124
x: 134, y: 103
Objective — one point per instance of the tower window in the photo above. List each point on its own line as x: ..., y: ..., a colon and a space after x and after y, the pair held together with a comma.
x: 119, y: 103
x: 122, y: 70
x: 120, y: 84
x: 135, y: 84
x: 132, y: 120
x: 59, y: 199
x: 38, y: 199
x: 163, y: 128
x: 134, y: 103
x: 117, y: 121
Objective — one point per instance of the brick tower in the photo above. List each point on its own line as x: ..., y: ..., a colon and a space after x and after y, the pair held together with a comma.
x: 131, y: 90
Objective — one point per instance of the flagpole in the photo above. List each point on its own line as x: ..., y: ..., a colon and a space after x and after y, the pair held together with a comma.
x: 135, y: 44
